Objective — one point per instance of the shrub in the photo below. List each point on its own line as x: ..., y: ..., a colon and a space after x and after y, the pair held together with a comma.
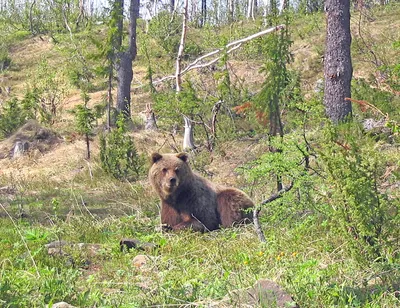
x: 11, y: 118
x: 5, y: 60
x: 358, y: 210
x: 118, y: 154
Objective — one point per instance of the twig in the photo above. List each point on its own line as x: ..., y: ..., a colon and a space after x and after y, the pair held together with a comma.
x: 257, y: 210
x: 90, y: 170
x: 86, y: 208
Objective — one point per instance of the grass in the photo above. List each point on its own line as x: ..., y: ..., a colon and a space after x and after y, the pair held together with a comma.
x: 186, y: 269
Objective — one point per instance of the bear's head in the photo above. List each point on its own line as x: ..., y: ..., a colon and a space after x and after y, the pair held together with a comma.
x: 169, y: 172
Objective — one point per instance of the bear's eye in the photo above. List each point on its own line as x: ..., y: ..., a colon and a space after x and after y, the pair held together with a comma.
x: 176, y: 170
x: 164, y: 170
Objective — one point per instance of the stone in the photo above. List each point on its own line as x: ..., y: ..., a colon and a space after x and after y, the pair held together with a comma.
x: 129, y: 243
x: 140, y: 261
x: 61, y: 305
x: 264, y: 293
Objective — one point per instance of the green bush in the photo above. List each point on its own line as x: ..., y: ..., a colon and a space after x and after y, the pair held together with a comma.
x: 118, y: 154
x: 383, y: 100
x: 358, y: 210
x: 5, y: 60
x: 11, y: 118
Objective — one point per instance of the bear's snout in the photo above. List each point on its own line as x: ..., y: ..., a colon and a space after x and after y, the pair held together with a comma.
x: 171, y: 184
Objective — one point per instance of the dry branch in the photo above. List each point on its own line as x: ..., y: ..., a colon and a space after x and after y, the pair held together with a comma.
x: 178, y: 73
x: 229, y: 48
x: 257, y: 210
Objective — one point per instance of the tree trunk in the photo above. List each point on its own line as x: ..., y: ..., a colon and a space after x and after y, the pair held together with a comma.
x: 87, y: 146
x: 250, y: 7
x: 338, y: 69
x: 124, y: 65
x: 203, y: 13
x: 188, y: 140
x: 124, y: 77
x: 31, y: 28
x: 179, y: 57
x: 82, y: 13
x: 119, y: 12
x: 231, y: 5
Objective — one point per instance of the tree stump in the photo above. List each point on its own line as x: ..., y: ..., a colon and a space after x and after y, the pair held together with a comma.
x: 20, y: 148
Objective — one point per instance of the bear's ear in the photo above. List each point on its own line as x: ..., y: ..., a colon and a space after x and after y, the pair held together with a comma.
x: 182, y: 156
x: 155, y: 157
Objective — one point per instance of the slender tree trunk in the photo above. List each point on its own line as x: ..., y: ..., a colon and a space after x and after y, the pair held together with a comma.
x: 119, y: 11
x: 109, y: 97
x: 250, y: 7
x: 171, y: 6
x: 87, y: 146
x: 283, y: 6
x: 337, y: 61
x: 231, y: 10
x: 203, y: 17
x: 124, y: 77
x: 82, y: 13
x: 179, y: 57
x: 124, y: 65
x: 31, y: 28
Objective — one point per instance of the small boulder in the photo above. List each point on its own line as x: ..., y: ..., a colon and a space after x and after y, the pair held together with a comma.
x: 61, y: 305
x: 264, y: 293
x: 129, y: 243
x: 140, y: 261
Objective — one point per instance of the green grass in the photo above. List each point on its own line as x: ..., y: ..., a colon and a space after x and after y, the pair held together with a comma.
x: 307, y: 259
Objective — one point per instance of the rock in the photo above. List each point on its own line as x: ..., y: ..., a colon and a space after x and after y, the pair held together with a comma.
x: 140, y: 260
x: 264, y: 293
x: 128, y: 243
x: 319, y: 86
x: 61, y: 305
x: 57, y: 252
x: 57, y: 244
x: 65, y: 249
x: 378, y: 129
x: 371, y: 124
x: 42, y: 134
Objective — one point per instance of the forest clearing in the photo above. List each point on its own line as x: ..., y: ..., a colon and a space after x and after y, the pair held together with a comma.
x: 244, y: 91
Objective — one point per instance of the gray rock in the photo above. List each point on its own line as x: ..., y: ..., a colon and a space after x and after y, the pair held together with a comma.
x: 129, y: 243
x: 264, y: 293
x: 61, y: 305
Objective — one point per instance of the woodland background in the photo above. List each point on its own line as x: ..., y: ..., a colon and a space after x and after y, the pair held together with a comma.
x: 74, y: 153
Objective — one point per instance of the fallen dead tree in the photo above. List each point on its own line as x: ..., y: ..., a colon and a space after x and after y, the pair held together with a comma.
x: 204, y: 61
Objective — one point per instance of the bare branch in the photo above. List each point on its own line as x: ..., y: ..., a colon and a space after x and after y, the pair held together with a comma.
x: 195, y: 64
x: 178, y: 73
x: 257, y: 210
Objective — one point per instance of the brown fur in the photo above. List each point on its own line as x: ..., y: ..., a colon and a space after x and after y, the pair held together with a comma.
x: 191, y: 201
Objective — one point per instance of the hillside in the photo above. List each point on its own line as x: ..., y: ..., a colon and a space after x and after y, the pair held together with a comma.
x: 332, y: 241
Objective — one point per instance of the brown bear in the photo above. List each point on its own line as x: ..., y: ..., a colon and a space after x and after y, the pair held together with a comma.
x: 191, y: 201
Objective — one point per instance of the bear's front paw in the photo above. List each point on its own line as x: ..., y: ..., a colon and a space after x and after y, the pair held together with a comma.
x: 181, y: 226
x: 166, y: 228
